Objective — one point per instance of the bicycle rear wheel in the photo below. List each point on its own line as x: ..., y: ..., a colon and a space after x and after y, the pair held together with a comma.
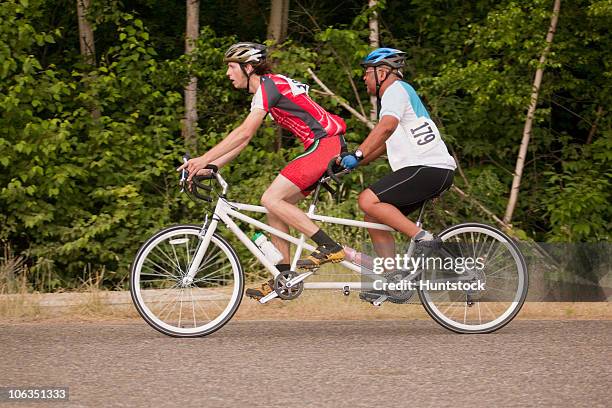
x: 186, y: 310
x: 498, y: 266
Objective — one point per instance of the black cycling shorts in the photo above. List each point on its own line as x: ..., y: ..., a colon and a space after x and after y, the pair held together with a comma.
x: 409, y: 187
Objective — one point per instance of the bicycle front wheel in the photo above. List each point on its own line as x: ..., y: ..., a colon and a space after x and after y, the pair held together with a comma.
x: 186, y: 310
x: 479, y: 282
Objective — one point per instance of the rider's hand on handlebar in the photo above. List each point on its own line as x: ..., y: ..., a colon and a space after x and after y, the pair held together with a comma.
x: 348, y: 161
x: 195, y: 167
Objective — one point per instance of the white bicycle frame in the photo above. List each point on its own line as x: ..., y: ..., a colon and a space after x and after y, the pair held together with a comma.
x: 225, y: 210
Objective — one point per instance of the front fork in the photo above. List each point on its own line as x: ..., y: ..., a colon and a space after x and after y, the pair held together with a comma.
x: 205, y: 236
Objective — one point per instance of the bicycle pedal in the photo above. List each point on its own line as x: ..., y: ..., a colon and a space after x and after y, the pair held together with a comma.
x: 311, y: 270
x: 374, y: 298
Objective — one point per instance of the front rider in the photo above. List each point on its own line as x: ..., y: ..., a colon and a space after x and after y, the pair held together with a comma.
x: 321, y: 133
x: 422, y: 167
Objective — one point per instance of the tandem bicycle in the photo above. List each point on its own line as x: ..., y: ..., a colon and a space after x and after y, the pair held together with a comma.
x: 187, y: 280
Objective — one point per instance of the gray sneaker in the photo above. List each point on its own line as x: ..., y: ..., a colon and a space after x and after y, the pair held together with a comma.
x: 427, y: 240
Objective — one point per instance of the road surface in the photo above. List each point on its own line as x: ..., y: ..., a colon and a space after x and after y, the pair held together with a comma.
x: 313, y: 364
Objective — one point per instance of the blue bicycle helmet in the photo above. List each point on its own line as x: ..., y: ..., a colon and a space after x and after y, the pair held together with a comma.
x: 385, y: 56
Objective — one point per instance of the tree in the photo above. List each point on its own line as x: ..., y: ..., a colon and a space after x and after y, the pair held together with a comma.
x: 86, y: 35
x: 190, y: 122
x: 537, y: 82
x: 374, y: 43
x: 279, y: 18
x: 277, y: 32
x: 86, y: 41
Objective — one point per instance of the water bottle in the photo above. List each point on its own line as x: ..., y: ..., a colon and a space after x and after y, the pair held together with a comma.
x: 358, y: 258
x: 269, y: 250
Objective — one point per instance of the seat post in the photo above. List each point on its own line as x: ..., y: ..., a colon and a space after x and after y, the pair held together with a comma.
x: 421, y: 212
x: 315, y: 196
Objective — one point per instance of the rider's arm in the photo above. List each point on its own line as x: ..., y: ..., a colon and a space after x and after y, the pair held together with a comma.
x: 237, y: 137
x: 375, y: 142
x: 232, y: 144
x: 228, y: 157
x: 374, y: 155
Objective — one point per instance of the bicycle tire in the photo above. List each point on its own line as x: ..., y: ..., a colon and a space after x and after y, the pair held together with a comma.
x: 508, y: 306
x: 156, y: 275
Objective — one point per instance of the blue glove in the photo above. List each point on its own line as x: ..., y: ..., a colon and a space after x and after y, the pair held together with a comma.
x: 349, y: 161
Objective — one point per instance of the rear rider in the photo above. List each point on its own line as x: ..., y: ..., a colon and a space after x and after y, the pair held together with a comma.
x: 321, y: 133
x: 422, y: 167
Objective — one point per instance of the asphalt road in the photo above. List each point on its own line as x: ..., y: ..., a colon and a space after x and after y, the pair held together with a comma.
x: 314, y: 364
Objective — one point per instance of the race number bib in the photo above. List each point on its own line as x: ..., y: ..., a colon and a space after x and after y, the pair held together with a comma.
x: 423, y: 134
x: 296, y: 86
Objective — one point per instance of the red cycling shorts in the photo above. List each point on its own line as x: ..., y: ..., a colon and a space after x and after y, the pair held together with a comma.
x: 306, y: 170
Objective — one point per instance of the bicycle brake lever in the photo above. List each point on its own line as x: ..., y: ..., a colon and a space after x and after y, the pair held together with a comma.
x: 184, y: 173
x: 330, y: 171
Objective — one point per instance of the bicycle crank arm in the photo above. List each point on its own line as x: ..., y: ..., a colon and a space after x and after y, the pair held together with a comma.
x: 380, y: 300
x: 298, y: 279
x: 268, y: 297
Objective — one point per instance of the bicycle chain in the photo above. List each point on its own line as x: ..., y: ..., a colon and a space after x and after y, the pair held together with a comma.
x: 397, y: 296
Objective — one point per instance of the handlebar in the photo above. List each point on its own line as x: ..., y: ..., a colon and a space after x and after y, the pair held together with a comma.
x: 333, y: 175
x: 196, y: 181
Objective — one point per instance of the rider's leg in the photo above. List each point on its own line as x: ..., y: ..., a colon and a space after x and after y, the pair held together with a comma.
x: 386, y: 214
x: 383, y: 241
x: 283, y: 246
x: 274, y: 200
x: 392, y: 216
x: 276, y: 222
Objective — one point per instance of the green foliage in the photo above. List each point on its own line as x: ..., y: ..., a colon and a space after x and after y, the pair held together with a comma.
x: 87, y: 153
x: 74, y: 187
x: 578, y: 198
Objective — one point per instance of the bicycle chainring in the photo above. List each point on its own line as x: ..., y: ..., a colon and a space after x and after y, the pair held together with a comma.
x: 284, y: 292
x: 397, y: 296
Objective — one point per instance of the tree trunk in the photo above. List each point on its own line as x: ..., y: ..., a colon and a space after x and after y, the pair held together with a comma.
x: 279, y: 20
x: 86, y: 36
x: 598, y: 115
x: 520, y: 162
x: 374, y: 43
x: 277, y: 31
x: 86, y: 41
x: 190, y: 122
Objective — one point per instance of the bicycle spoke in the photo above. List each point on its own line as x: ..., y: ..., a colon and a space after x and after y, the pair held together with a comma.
x: 496, y: 274
x: 161, y: 250
x: 157, y: 273
x: 473, y: 245
x: 178, y: 263
x: 214, y: 302
x: 159, y: 266
x: 180, y: 308
x: 213, y: 272
x: 170, y: 309
x: 187, y: 251
x: 192, y: 307
x: 203, y: 311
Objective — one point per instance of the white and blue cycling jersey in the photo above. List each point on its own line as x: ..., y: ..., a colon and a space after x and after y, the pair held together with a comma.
x: 416, y: 141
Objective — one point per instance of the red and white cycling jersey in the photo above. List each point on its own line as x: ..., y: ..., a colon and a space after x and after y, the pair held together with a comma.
x: 288, y: 102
